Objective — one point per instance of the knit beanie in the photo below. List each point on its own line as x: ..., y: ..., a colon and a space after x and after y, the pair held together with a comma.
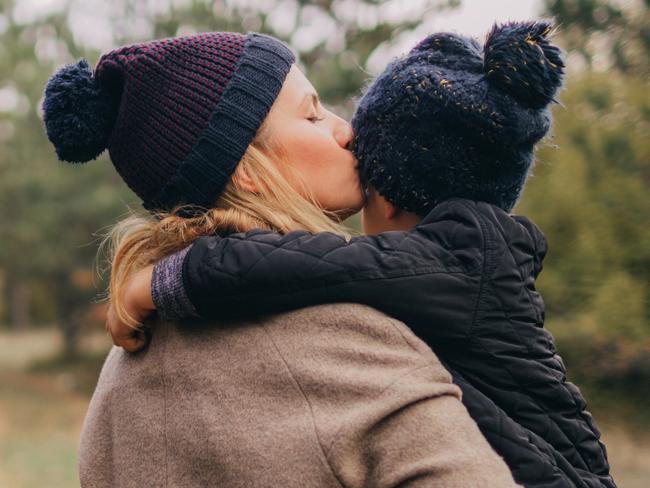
x: 176, y: 114
x: 453, y: 118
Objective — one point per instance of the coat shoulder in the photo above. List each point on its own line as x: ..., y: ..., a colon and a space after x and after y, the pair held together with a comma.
x: 345, y: 355
x: 352, y: 327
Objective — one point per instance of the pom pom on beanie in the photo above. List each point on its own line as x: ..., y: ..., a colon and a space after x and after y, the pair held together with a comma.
x: 79, y: 113
x: 519, y: 60
x: 454, y: 118
x: 176, y: 114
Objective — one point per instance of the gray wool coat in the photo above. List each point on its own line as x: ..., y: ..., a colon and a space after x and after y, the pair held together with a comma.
x: 327, y: 396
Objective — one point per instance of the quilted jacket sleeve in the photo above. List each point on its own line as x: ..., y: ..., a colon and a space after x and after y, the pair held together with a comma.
x: 425, y: 276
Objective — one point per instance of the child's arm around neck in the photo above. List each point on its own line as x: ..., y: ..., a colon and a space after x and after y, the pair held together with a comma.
x: 411, y: 275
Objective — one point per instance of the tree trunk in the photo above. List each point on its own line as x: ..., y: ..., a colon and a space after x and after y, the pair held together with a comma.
x: 70, y: 329
x: 19, y: 297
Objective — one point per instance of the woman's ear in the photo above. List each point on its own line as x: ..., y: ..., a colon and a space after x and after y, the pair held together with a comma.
x: 243, y: 181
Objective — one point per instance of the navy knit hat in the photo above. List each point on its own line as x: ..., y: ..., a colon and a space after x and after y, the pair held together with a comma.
x: 452, y: 118
x: 176, y: 114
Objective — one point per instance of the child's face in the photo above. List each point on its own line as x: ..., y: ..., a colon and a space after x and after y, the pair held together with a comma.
x: 314, y: 144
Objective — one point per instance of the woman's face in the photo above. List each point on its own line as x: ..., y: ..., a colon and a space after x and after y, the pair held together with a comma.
x: 314, y: 144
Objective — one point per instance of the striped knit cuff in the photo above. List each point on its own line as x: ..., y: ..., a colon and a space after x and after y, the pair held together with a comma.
x: 167, y: 288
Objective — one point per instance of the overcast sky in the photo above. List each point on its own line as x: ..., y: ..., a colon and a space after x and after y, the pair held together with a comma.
x: 475, y: 17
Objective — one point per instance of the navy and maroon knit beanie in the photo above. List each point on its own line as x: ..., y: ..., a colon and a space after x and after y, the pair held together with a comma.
x: 453, y: 118
x: 175, y: 114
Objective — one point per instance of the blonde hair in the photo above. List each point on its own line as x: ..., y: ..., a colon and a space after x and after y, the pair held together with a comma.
x: 138, y: 240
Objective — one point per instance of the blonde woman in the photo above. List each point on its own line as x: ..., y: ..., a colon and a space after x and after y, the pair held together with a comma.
x: 221, y: 133
x: 445, y: 138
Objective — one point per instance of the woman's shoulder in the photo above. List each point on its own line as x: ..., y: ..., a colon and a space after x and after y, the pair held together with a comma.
x: 372, y: 385
x: 352, y: 319
x: 352, y: 338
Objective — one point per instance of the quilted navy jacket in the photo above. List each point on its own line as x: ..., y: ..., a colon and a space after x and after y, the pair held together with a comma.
x: 464, y: 281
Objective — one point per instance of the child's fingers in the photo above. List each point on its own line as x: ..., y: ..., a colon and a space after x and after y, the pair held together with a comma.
x: 131, y: 341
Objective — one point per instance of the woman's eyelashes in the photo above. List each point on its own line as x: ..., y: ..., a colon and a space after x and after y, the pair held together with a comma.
x: 315, y: 118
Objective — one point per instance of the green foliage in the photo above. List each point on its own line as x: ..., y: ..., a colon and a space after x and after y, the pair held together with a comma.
x: 606, y: 33
x: 50, y: 209
x: 589, y: 194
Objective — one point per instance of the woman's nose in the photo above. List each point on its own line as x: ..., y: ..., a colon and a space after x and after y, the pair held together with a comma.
x: 344, y: 134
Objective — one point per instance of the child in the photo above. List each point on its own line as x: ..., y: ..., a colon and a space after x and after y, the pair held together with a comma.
x: 446, y: 136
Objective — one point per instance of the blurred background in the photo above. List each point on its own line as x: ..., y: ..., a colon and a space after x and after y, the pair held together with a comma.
x: 589, y: 193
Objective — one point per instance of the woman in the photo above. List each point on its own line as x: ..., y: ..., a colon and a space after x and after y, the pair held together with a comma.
x: 445, y: 138
x: 219, y: 133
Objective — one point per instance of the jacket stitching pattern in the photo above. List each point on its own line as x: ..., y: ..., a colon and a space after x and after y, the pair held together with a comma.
x: 524, y: 389
x: 487, y: 254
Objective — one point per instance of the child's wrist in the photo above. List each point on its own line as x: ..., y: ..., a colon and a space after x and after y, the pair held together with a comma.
x: 168, y: 293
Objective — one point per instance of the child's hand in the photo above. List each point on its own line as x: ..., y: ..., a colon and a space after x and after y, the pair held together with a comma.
x: 138, y: 304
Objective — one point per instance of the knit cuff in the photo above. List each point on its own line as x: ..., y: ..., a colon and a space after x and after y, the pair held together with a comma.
x: 168, y: 290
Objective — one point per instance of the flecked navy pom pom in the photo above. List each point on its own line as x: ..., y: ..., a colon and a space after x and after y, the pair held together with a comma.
x: 519, y: 60
x: 78, y: 113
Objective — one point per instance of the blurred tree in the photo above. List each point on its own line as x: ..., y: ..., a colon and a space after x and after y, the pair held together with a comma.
x: 589, y: 194
x: 49, y: 209
x: 606, y: 33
